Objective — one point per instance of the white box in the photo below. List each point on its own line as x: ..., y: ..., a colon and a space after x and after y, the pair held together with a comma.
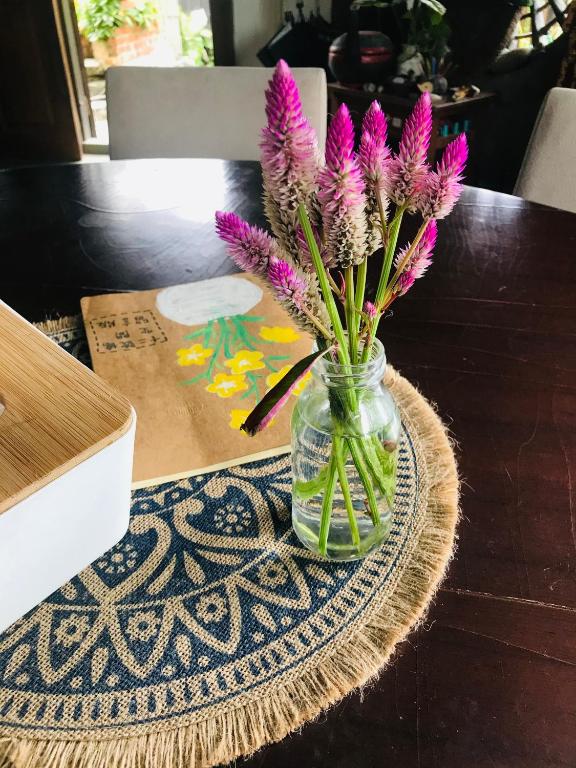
x: 66, y: 449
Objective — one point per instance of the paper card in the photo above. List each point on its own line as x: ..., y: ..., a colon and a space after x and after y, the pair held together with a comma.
x: 194, y: 360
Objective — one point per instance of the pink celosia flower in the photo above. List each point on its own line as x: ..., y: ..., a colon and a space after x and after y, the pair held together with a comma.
x: 341, y: 194
x: 374, y: 152
x: 419, y: 261
x: 287, y: 284
x: 251, y: 248
x: 289, y: 157
x: 298, y: 292
x: 443, y: 187
x: 374, y: 156
x: 369, y: 310
x: 407, y: 171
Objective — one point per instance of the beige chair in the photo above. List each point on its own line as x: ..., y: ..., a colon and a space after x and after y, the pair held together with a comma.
x: 197, y: 111
x: 548, y: 173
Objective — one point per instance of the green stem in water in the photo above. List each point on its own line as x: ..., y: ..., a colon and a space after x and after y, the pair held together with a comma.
x: 327, y: 504
x: 375, y: 467
x: 341, y: 468
x: 366, y: 481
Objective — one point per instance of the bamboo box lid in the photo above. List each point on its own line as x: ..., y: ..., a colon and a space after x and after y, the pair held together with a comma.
x: 57, y: 413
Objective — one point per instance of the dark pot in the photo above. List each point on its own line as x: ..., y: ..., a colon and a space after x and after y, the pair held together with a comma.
x: 361, y: 57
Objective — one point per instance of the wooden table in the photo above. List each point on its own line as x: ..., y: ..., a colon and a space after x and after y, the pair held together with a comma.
x: 489, y: 680
x: 473, y: 110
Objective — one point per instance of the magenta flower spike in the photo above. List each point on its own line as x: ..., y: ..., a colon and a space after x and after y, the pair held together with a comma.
x: 289, y: 157
x: 374, y: 156
x: 251, y: 248
x: 297, y: 291
x: 420, y: 259
x: 341, y: 194
x: 408, y: 170
x: 370, y: 310
x: 443, y: 186
x: 287, y: 284
x: 374, y: 152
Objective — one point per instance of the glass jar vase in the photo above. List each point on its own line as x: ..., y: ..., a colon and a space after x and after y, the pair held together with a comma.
x: 345, y: 435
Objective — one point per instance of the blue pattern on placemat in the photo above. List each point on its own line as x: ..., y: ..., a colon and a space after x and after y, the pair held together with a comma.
x: 208, y: 596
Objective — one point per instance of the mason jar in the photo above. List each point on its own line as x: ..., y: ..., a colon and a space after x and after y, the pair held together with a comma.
x: 345, y: 435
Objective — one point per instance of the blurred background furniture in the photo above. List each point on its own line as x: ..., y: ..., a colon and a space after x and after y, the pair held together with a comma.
x: 449, y: 118
x: 198, y: 112
x: 548, y: 173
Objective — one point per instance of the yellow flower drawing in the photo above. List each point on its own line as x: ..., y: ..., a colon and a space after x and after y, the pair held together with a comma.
x: 244, y: 360
x: 194, y: 355
x: 226, y: 385
x: 278, y: 334
x: 274, y: 378
x: 237, y: 417
x: 301, y: 386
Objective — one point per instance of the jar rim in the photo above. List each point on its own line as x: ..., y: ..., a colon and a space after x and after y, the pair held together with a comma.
x: 360, y: 374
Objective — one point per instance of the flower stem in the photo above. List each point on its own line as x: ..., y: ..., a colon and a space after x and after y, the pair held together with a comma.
x: 383, y: 221
x: 350, y: 317
x: 369, y: 454
x: 332, y: 283
x: 393, y: 233
x: 316, y: 323
x: 351, y: 397
x: 383, y: 299
x: 360, y: 291
x: 366, y: 481
x: 327, y: 504
x: 407, y: 257
x: 341, y: 468
x: 324, y: 284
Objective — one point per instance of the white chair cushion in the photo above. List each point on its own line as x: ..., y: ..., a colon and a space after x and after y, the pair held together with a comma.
x: 548, y: 173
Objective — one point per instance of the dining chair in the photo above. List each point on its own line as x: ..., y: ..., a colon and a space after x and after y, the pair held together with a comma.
x: 548, y: 172
x: 199, y: 111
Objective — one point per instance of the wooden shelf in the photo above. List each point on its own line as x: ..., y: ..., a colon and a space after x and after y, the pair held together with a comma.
x: 400, y: 107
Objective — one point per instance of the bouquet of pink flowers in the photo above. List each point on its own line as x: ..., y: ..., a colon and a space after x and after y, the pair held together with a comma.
x: 328, y: 218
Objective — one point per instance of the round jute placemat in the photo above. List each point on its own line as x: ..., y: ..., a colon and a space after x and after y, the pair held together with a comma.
x: 208, y: 631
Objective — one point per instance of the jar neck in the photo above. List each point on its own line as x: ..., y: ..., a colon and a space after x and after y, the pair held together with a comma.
x: 334, y: 375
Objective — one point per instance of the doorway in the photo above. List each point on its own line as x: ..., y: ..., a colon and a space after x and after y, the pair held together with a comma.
x: 106, y: 33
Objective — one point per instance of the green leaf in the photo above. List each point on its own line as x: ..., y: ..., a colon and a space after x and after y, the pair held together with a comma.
x: 273, y: 400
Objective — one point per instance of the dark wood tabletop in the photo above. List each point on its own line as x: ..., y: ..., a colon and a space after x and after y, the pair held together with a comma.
x: 489, y: 679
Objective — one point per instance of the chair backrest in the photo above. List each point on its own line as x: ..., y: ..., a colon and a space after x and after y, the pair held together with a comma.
x: 548, y: 173
x: 199, y: 111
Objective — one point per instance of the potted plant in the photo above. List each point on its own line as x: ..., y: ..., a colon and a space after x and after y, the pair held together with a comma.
x: 99, y: 20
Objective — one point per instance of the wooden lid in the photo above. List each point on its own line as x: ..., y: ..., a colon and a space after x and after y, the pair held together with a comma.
x: 57, y: 412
